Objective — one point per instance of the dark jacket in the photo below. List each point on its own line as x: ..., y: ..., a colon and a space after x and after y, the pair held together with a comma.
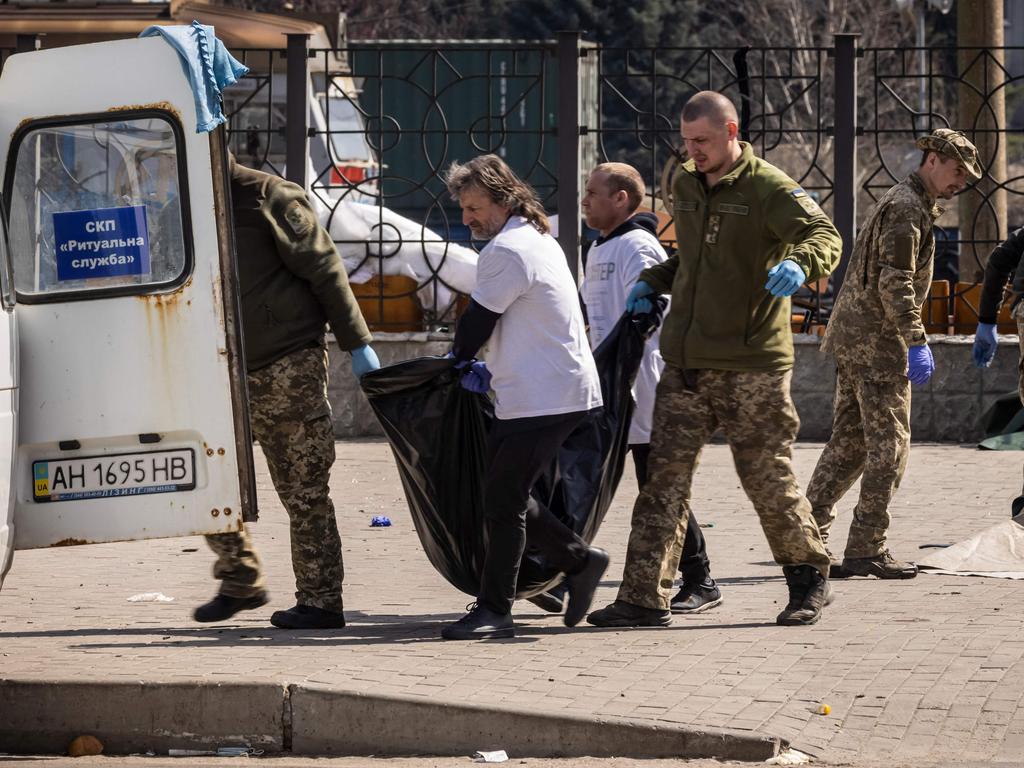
x: 1002, y: 262
x: 293, y: 282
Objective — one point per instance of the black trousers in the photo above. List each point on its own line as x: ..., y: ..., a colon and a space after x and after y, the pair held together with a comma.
x: 694, y: 565
x: 518, y: 451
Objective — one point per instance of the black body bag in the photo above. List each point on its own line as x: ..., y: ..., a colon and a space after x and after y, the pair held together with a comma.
x: 438, y: 434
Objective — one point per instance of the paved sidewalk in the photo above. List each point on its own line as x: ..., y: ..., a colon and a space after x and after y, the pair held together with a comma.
x: 926, y: 672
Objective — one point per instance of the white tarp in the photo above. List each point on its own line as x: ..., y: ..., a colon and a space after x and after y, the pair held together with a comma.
x: 996, y: 552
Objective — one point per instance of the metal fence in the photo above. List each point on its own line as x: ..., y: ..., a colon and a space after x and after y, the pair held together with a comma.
x: 840, y: 120
x: 370, y: 129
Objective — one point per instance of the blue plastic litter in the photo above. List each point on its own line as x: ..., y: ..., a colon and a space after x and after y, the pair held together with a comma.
x: 379, y: 521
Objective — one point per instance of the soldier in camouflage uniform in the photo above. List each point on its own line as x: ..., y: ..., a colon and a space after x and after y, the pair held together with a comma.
x: 749, y: 237
x: 878, y: 340
x: 292, y: 283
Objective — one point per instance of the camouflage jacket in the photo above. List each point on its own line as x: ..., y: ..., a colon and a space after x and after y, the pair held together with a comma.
x: 722, y: 317
x: 878, y: 312
x: 293, y: 282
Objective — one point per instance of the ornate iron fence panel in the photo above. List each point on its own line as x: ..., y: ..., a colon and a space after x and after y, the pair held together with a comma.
x: 421, y: 108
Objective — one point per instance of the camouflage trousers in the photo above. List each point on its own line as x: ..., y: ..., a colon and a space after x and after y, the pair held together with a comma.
x: 291, y: 420
x: 871, y: 440
x: 757, y: 416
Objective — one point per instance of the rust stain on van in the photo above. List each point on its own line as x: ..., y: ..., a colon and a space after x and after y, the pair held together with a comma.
x: 164, y: 106
x: 70, y: 542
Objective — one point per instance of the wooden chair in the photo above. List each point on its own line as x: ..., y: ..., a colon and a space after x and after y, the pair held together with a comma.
x: 935, y: 312
x: 966, y: 304
x: 389, y: 303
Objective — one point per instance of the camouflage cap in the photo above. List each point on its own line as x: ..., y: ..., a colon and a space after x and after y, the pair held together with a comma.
x: 955, y: 145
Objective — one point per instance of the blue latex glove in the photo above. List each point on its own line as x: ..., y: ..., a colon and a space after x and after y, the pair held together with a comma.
x: 785, y: 278
x: 920, y: 364
x: 476, y: 378
x: 364, y: 360
x: 636, y: 304
x: 985, y: 345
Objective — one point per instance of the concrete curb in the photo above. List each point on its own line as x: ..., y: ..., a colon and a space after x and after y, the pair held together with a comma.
x: 44, y: 716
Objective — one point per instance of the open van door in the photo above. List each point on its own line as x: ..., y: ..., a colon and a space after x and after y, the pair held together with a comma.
x: 133, y: 420
x: 8, y: 402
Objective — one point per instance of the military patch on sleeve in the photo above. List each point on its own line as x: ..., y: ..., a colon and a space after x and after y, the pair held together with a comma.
x: 686, y: 205
x: 904, y: 256
x: 299, y: 218
x: 806, y: 202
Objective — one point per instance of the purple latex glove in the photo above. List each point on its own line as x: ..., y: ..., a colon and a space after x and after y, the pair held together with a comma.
x: 920, y: 364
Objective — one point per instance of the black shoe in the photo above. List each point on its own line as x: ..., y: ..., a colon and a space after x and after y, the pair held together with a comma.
x: 547, y: 601
x: 883, y: 565
x: 696, y: 598
x: 622, y: 614
x: 809, y: 592
x: 480, y: 624
x: 223, y: 607
x: 583, y: 585
x: 307, y: 617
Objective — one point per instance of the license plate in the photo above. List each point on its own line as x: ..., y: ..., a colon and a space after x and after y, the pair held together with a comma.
x: 123, y: 474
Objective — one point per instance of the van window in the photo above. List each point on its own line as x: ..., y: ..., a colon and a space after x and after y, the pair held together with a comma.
x: 96, y: 208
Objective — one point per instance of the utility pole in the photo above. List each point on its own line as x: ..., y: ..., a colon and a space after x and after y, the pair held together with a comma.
x: 982, y: 116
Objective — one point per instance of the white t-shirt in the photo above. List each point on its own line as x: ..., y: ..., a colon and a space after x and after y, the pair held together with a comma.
x: 613, y: 267
x: 538, y: 354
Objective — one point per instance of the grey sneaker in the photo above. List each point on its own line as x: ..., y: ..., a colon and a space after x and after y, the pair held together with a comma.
x: 696, y: 598
x: 883, y: 565
x: 480, y: 624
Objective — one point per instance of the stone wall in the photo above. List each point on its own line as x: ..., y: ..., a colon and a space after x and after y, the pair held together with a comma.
x: 947, y: 409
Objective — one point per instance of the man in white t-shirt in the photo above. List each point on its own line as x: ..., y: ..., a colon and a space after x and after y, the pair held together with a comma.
x: 627, y: 246
x: 525, y: 307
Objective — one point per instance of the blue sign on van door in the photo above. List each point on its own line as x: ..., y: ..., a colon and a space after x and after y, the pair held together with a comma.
x: 108, y: 242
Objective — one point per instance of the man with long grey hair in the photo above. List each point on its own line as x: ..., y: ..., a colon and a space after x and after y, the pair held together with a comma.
x: 539, y: 365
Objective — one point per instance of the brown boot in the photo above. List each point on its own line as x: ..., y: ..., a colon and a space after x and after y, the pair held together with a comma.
x: 809, y: 592
x: 883, y: 565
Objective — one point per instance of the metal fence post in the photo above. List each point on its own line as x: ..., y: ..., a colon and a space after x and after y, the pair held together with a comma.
x: 568, y: 143
x: 297, y: 109
x: 844, y: 147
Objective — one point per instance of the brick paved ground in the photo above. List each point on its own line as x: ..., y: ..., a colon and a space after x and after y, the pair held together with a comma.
x: 924, y: 672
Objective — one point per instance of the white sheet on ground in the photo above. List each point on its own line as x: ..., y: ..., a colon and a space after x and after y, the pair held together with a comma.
x: 996, y: 552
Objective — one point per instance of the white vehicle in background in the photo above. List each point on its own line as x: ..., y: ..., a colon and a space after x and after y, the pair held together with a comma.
x: 122, y: 393
x: 341, y: 179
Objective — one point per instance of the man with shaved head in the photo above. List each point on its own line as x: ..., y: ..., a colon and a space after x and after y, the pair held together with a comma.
x: 627, y: 246
x: 748, y: 238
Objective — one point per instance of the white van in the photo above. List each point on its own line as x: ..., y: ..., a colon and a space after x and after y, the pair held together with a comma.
x: 122, y: 399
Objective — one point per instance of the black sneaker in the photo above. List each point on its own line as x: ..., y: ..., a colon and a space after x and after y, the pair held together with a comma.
x: 623, y: 614
x: 223, y: 607
x: 883, y: 565
x: 809, y: 593
x: 583, y: 585
x: 307, y: 617
x: 548, y: 601
x: 696, y: 598
x: 480, y: 624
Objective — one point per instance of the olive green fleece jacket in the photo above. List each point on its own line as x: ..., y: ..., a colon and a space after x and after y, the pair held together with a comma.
x: 728, y: 238
x: 292, y: 280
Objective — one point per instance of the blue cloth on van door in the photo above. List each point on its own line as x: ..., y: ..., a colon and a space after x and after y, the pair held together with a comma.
x: 207, y: 64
